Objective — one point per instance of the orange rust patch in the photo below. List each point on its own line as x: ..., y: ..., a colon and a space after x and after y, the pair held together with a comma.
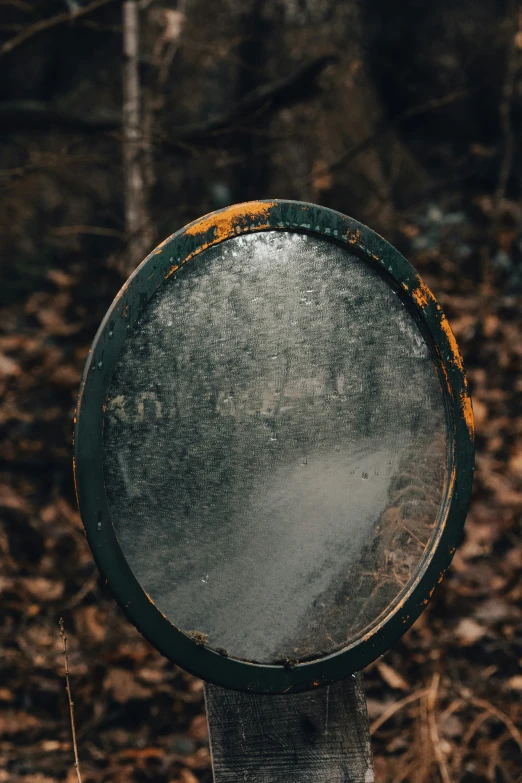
x: 148, y: 596
x: 452, y: 341
x: 353, y: 236
x: 225, y: 222
x: 468, y: 412
x: 430, y: 594
x: 158, y: 248
x: 224, y: 225
x: 446, y: 376
x: 422, y: 294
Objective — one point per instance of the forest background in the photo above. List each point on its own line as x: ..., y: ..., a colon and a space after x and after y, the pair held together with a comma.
x: 120, y: 123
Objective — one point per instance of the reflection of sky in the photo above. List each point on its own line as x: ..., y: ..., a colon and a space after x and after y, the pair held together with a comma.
x: 263, y: 378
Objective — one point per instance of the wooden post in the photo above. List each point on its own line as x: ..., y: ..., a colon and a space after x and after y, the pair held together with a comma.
x: 319, y: 736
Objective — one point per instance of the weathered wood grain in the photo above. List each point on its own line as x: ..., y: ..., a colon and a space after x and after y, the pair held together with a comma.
x: 321, y: 736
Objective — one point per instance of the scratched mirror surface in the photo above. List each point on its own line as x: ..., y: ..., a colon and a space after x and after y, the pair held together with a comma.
x: 275, y: 449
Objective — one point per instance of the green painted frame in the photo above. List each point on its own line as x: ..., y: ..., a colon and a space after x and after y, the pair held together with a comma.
x: 175, y: 251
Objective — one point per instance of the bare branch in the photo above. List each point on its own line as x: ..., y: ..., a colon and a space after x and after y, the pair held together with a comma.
x: 65, y: 231
x: 40, y: 115
x: 505, y: 108
x: 46, y: 24
x: 297, y: 87
x: 389, y: 124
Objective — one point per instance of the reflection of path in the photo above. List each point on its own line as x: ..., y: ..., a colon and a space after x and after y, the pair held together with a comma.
x: 299, y: 527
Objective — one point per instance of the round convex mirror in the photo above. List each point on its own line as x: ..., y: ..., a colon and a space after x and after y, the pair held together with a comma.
x: 274, y: 446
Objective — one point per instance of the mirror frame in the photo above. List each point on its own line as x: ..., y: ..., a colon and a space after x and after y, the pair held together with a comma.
x: 179, y: 249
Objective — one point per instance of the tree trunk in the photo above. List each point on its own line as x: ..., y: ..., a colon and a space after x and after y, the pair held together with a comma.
x: 137, y: 220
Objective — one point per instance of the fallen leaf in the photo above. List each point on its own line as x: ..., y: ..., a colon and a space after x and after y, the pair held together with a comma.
x: 143, y: 753
x: 514, y: 683
x: 14, y: 722
x: 89, y: 621
x: 8, y: 366
x: 494, y: 610
x: 480, y: 413
x: 391, y: 677
x: 61, y: 279
x: 469, y: 632
x: 44, y: 589
x: 185, y: 776
x: 66, y: 375
x: 199, y: 728
x: 123, y: 686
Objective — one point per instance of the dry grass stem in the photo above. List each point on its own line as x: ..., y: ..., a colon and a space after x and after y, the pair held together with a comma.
x: 71, y: 703
x: 394, y: 708
x: 431, y: 701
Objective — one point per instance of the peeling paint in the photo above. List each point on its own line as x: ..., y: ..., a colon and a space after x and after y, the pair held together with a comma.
x: 225, y: 225
x: 422, y: 294
x: 467, y: 410
x: 446, y: 377
x: 158, y: 248
x: 353, y: 237
x: 457, y: 359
